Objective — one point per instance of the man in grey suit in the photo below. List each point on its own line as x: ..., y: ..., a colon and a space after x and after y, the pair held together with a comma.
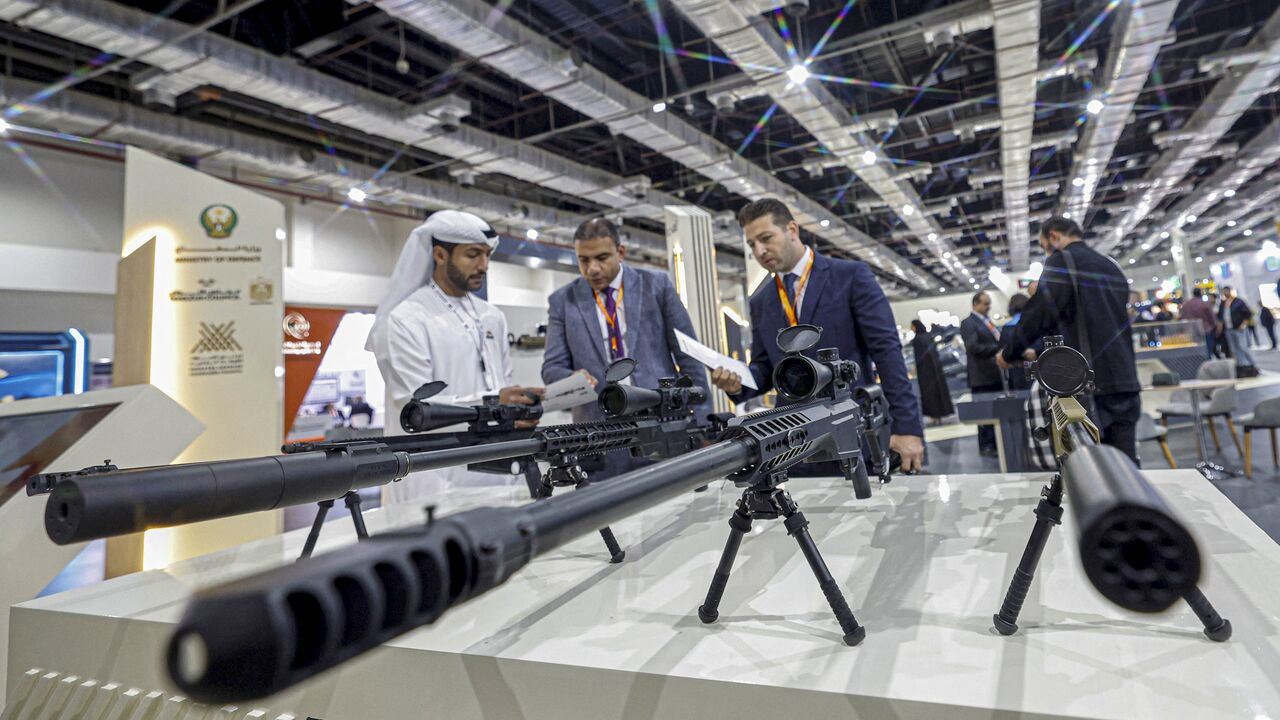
x: 614, y: 311
x: 981, y: 343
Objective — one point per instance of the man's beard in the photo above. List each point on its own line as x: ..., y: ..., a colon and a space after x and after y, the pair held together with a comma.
x: 457, y: 277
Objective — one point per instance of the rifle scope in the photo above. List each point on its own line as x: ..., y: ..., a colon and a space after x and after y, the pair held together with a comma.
x: 418, y: 415
x: 798, y: 378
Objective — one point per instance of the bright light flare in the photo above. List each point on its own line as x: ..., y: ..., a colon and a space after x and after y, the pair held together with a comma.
x: 356, y: 195
x: 798, y: 74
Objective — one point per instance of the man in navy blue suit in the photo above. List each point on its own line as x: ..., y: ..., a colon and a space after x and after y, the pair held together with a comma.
x: 840, y: 296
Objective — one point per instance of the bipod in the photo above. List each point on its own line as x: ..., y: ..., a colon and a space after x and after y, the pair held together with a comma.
x: 564, y: 472
x: 766, y: 501
x: 1049, y: 514
x: 352, y: 500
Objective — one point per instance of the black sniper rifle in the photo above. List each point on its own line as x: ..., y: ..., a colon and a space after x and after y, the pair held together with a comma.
x: 261, y: 634
x: 1134, y: 551
x: 105, y: 501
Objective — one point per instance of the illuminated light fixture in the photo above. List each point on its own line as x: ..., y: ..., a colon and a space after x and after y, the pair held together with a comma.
x: 1231, y: 223
x: 942, y: 289
x: 1163, y: 263
x: 1164, y: 235
x: 824, y: 223
x: 280, y: 234
x: 1132, y: 260
x: 1247, y: 233
x: 1130, y: 281
x: 946, y: 256
x: 1066, y: 216
x: 798, y: 74
x: 1227, y: 193
x: 531, y: 234
x: 869, y: 157
x: 1191, y: 218
x: 4, y: 126
x: 1221, y: 249
x: 933, y: 236
x: 1199, y: 258
x: 1078, y: 182
x: 356, y: 195
x: 1094, y: 107
x: 908, y: 209
x: 660, y: 106
x: 971, y: 281
x: 1146, y: 246
x: 1155, y: 279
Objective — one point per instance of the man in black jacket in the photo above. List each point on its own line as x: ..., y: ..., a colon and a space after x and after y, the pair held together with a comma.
x: 981, y: 343
x: 1083, y: 296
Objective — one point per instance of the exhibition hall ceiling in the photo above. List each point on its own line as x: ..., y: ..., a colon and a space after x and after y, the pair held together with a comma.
x: 923, y: 136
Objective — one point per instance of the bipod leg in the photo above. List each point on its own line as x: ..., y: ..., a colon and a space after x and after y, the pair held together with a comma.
x: 1216, y: 628
x: 532, y: 477
x: 798, y: 528
x: 1048, y: 514
x: 310, y: 545
x: 616, y: 553
x: 352, y: 499
x: 739, y: 525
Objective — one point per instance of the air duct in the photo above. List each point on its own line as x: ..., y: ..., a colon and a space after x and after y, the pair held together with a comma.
x: 1017, y: 35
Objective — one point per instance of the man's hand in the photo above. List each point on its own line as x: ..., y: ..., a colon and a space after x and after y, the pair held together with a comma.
x: 1001, y: 362
x: 590, y: 378
x: 726, y: 380
x: 911, y: 449
x: 1029, y: 355
x: 516, y: 395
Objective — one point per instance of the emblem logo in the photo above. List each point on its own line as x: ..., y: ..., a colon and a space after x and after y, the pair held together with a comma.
x: 261, y: 290
x: 297, y: 326
x: 218, y: 221
x: 216, y: 337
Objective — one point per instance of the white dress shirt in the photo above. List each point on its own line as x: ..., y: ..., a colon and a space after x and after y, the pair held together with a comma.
x: 799, y: 273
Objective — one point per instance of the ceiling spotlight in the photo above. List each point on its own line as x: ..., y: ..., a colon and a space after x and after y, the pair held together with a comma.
x: 1247, y: 233
x: 908, y: 209
x: 1229, y: 193
x: 933, y: 236
x: 869, y: 157
x: 1163, y: 263
x: 1191, y: 218
x: 1199, y: 258
x: 1155, y: 279
x: 1066, y: 216
x: 280, y: 234
x: 356, y: 195
x: 971, y: 280
x: 942, y: 289
x: 1132, y: 261
x: 4, y: 126
x: 1221, y: 249
x: 824, y: 223
x: 798, y: 74
x: 531, y: 234
x: 1094, y: 107
x: 1231, y: 223
x: 1130, y: 281
x: 946, y: 256
x: 1164, y: 235
x: 1078, y: 182
x: 660, y: 106
x: 1146, y: 246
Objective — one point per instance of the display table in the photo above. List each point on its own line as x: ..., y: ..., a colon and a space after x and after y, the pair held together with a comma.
x: 924, y: 564
x: 1007, y: 411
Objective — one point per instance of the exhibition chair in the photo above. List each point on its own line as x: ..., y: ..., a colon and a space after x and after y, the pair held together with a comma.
x: 1219, y: 402
x: 1148, y: 430
x: 1265, y: 416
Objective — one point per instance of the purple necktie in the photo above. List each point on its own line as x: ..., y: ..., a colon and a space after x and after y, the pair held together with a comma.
x: 616, y: 350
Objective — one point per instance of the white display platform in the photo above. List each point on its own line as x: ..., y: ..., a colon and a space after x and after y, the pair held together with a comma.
x: 924, y: 564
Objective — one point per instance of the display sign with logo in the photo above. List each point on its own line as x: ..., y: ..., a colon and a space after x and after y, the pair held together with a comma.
x: 199, y: 309
x: 307, y: 334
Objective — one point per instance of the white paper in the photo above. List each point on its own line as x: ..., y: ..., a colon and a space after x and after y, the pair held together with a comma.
x: 713, y: 359
x: 570, y: 392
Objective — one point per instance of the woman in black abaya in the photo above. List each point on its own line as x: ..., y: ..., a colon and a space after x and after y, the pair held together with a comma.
x: 935, y: 398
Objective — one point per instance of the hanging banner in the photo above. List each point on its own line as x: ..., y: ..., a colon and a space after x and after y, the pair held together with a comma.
x: 307, y: 334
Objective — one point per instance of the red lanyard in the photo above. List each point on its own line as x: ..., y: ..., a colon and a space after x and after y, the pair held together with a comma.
x: 611, y: 318
x: 782, y: 292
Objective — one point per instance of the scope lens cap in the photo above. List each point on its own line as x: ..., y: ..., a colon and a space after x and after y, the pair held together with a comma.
x: 430, y: 390
x: 620, y: 370
x: 1063, y: 371
x: 798, y: 338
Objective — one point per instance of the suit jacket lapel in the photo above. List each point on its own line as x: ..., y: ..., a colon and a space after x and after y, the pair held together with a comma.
x: 817, y: 284
x: 586, y: 303
x: 632, y: 287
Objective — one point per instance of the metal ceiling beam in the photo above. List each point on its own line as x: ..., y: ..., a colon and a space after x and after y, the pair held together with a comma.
x: 1017, y: 35
x: 1140, y: 29
x: 1240, y: 87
